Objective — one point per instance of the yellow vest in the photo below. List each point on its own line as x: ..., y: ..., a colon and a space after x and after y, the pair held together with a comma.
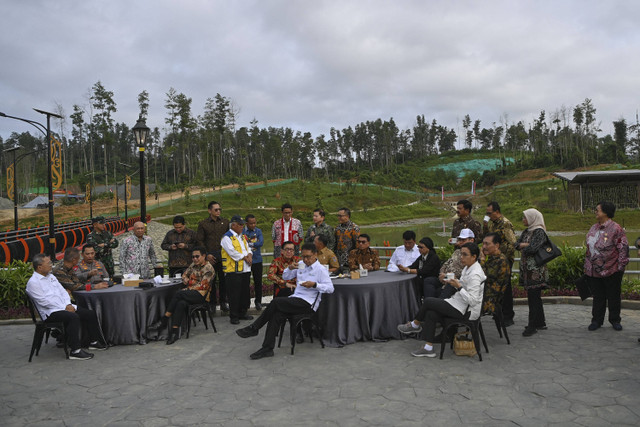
x: 228, y: 264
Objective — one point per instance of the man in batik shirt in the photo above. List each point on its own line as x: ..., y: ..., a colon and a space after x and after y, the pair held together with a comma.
x: 364, y: 256
x: 496, y: 267
x: 277, y: 267
x: 137, y: 252
x: 347, y: 234
x: 286, y: 229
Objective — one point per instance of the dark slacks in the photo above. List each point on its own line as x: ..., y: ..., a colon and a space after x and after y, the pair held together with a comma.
x: 73, y: 323
x: 275, y: 314
x: 431, y: 287
x: 238, y: 294
x: 432, y: 312
x: 256, y: 272
x: 507, y: 299
x: 536, y: 309
x: 180, y: 304
x: 606, y: 292
x: 222, y: 285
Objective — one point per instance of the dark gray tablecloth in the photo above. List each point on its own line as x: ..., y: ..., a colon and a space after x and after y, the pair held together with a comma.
x: 125, y: 312
x: 369, y: 308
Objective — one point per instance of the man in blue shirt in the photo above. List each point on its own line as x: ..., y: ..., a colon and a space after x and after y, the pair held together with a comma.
x: 312, y: 279
x: 256, y: 240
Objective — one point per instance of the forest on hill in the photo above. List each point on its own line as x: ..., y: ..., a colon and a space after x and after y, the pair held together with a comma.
x: 206, y: 148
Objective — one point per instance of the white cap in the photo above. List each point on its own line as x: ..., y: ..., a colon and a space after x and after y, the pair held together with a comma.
x: 466, y: 233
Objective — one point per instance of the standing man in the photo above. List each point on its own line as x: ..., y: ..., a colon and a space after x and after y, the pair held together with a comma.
x: 54, y: 305
x: 65, y: 270
x: 364, y: 256
x: 286, y: 229
x: 209, y: 235
x: 179, y: 242
x: 104, y: 242
x: 137, y: 252
x: 255, y: 238
x: 237, y: 258
x: 497, y: 223
x: 347, y: 234
x: 320, y: 227
x: 496, y: 268
x: 311, y: 281
x: 91, y: 271
x: 465, y: 220
x: 406, y: 254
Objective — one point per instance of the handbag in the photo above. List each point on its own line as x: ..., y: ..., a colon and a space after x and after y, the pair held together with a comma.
x: 582, y: 285
x: 463, y: 344
x: 546, y: 253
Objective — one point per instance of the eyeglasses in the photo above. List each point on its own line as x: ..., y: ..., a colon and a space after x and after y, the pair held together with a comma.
x: 287, y: 249
x: 421, y: 247
x: 217, y: 209
x: 362, y: 242
x: 195, y: 256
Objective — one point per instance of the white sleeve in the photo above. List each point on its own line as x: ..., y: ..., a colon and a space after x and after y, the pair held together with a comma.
x: 228, y: 246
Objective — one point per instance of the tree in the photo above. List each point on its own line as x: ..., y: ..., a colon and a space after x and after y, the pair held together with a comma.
x: 102, y: 101
x: 620, y: 139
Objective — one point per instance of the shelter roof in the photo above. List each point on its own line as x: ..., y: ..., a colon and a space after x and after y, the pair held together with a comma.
x: 600, y: 176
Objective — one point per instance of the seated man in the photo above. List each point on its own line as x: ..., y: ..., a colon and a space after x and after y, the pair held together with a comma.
x: 197, y: 279
x: 364, y: 256
x: 277, y: 267
x: 496, y: 267
x: 427, y: 267
x: 406, y: 254
x: 326, y: 255
x: 54, y: 305
x: 454, y: 264
x: 311, y: 281
x: 91, y: 271
x: 65, y: 270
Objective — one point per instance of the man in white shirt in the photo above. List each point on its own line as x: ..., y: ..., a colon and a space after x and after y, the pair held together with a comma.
x: 406, y: 254
x: 237, y: 258
x: 312, y: 280
x: 54, y: 305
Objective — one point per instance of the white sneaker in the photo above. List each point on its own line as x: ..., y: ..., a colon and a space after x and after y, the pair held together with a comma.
x: 421, y: 352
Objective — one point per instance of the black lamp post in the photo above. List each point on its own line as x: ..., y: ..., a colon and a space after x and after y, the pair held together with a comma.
x: 47, y: 133
x: 141, y: 133
x: 15, y: 185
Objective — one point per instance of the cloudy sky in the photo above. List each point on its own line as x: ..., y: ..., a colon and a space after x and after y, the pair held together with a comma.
x: 316, y: 65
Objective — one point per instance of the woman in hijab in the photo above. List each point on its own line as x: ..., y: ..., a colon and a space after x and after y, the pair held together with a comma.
x: 532, y: 277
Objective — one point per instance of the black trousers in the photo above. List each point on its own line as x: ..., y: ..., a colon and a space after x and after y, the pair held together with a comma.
x: 606, y: 292
x: 73, y: 323
x: 431, y: 287
x: 275, y: 314
x: 256, y: 272
x: 222, y: 285
x: 180, y: 304
x: 536, y: 309
x: 432, y: 312
x: 238, y: 294
x: 507, y: 299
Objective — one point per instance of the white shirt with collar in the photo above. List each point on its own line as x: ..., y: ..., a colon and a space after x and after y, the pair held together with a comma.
x: 401, y: 256
x: 47, y: 294
x: 227, y: 244
x: 317, y: 273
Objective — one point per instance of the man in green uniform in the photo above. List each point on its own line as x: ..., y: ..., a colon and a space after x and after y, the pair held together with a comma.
x: 104, y: 242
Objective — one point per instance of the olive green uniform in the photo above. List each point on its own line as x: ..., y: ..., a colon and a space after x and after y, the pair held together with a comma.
x: 103, y: 253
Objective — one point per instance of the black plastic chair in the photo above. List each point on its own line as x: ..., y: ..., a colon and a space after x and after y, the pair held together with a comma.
x: 498, y: 318
x: 201, y: 310
x: 310, y: 319
x: 475, y: 326
x: 43, y: 330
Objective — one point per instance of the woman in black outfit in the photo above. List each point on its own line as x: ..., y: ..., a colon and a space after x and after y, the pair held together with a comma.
x: 427, y: 267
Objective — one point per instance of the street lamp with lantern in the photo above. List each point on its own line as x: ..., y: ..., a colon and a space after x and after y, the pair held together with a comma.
x: 15, y: 187
x: 141, y: 133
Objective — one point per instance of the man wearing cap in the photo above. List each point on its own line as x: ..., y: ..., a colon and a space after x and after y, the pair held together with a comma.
x: 454, y: 264
x: 236, y: 259
x: 465, y: 220
x: 104, y: 242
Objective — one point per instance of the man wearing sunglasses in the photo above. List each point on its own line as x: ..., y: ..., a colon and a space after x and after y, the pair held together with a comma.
x: 364, y: 256
x: 209, y: 234
x: 197, y: 279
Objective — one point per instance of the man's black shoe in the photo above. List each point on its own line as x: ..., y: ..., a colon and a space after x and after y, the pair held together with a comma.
x: 258, y: 306
x: 247, y: 332
x: 263, y: 352
x: 160, y: 324
x: 246, y: 317
x: 97, y: 346
x: 235, y: 321
x: 224, y: 307
x: 507, y: 322
x: 173, y: 337
x: 529, y: 331
x: 81, y: 355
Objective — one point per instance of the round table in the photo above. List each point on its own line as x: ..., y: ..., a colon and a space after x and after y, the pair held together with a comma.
x: 125, y: 313
x: 367, y: 309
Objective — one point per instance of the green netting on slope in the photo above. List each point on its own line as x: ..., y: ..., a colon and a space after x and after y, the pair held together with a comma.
x: 480, y: 165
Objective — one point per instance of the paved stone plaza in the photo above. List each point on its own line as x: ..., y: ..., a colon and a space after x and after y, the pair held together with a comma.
x: 565, y: 375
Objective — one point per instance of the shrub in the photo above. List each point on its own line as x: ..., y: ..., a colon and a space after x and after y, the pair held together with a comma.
x: 567, y: 268
x: 13, y: 282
